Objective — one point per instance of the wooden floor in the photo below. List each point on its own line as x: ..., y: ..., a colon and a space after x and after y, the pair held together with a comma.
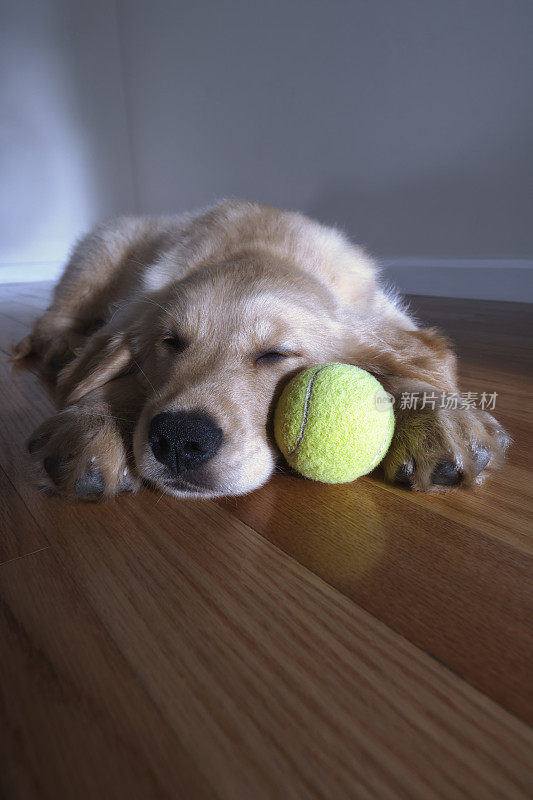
x: 305, y: 641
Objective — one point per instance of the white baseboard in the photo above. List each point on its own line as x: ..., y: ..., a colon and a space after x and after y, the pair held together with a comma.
x: 475, y: 278
x: 30, y: 271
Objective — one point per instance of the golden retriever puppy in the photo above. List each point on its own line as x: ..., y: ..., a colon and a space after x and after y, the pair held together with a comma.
x: 171, y: 339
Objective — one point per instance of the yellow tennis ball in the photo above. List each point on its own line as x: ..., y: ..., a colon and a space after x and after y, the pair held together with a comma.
x: 333, y: 423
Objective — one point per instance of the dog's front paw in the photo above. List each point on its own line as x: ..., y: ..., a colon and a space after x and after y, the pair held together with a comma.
x: 80, y: 454
x: 442, y: 449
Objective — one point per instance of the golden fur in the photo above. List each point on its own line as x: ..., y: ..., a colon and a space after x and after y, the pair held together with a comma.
x: 178, y: 314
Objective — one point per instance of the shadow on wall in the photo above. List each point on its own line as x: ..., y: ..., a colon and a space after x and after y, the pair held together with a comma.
x: 426, y: 215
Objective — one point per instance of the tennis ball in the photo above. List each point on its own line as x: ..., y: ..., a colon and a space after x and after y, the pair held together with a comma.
x: 333, y: 423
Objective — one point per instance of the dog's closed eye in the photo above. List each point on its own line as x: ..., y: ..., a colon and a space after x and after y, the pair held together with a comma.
x: 273, y: 355
x: 174, y: 342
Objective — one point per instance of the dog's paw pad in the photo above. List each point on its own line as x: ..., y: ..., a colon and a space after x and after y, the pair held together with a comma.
x: 53, y: 466
x: 447, y: 473
x: 127, y: 485
x: 90, y: 483
x: 405, y: 474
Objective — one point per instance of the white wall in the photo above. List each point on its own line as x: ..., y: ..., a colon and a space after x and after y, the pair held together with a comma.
x: 407, y: 122
x: 64, y: 144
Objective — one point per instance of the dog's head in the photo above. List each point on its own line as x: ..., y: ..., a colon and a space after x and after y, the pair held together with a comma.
x: 214, y: 351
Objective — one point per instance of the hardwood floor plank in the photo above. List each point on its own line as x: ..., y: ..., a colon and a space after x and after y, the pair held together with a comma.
x: 19, y: 308
x: 76, y: 723
x: 12, y: 330
x: 279, y: 685
x: 490, y: 334
x: 453, y: 591
x: 38, y: 294
x: 501, y: 509
x: 19, y: 533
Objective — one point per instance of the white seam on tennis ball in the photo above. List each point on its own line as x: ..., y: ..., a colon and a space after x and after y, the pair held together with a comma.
x: 380, y: 455
x: 307, y: 403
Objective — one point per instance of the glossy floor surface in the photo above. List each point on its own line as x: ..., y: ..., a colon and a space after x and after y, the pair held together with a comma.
x: 305, y: 641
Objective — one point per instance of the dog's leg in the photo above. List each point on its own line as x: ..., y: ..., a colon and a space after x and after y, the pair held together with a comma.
x: 84, y: 451
x: 105, y: 266
x: 441, y: 440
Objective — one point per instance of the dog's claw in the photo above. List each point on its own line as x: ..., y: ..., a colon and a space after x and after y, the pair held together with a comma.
x: 504, y: 440
x: 480, y: 458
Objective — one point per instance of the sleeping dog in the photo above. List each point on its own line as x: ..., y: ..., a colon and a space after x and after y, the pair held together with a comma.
x: 169, y: 341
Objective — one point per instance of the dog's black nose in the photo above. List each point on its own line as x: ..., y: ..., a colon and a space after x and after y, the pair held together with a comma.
x: 185, y: 440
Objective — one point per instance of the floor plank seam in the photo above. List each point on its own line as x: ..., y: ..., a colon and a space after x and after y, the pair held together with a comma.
x: 14, y: 319
x: 24, y: 555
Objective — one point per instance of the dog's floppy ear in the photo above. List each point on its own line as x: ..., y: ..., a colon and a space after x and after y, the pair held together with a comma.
x: 104, y: 357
